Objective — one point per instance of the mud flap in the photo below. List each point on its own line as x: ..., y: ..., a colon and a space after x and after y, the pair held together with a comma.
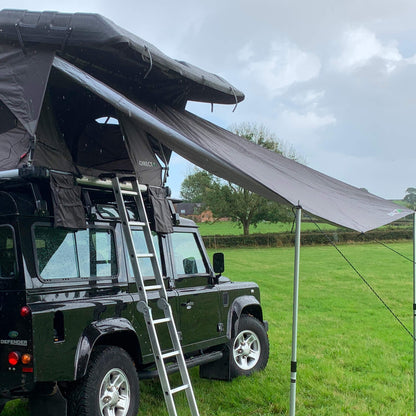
x: 52, y: 404
x: 217, y: 370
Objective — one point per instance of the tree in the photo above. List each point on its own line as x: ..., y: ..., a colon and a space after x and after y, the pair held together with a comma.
x: 410, y: 197
x: 225, y: 199
x: 194, y: 186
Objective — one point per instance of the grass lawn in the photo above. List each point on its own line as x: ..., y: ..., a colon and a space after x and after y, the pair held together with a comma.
x: 353, y: 357
x: 231, y: 228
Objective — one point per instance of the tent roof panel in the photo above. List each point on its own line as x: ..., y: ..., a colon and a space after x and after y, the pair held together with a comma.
x: 116, y: 56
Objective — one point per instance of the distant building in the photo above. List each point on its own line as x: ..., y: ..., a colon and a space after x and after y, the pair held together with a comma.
x: 191, y: 210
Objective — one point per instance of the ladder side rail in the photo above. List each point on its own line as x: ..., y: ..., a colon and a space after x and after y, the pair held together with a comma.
x: 183, y: 369
x: 128, y: 237
x: 144, y: 308
x: 138, y: 198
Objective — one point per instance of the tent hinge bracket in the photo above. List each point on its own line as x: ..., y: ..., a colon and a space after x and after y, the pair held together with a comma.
x: 20, y: 37
x: 150, y: 60
x: 65, y: 41
x: 235, y: 97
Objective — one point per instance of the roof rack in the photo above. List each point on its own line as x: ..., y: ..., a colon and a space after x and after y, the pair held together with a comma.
x: 36, y: 172
x: 106, y: 183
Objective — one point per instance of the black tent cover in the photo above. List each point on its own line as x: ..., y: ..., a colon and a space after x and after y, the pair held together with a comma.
x: 60, y: 127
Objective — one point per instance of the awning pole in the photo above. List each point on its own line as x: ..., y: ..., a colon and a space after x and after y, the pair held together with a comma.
x: 414, y: 311
x: 293, y: 364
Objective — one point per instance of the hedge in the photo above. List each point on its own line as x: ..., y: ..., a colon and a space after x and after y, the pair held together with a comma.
x: 307, y: 238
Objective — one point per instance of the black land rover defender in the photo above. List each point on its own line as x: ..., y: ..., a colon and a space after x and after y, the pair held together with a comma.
x: 69, y: 328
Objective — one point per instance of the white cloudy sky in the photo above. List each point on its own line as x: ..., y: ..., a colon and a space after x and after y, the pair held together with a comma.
x: 336, y: 79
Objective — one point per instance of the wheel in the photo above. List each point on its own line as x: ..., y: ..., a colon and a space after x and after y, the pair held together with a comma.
x: 249, y: 348
x: 109, y: 388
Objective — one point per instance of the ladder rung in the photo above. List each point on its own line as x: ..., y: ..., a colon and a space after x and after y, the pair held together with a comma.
x: 154, y: 287
x: 180, y: 388
x: 137, y: 223
x: 144, y: 255
x: 170, y: 354
x: 161, y: 321
x: 125, y: 192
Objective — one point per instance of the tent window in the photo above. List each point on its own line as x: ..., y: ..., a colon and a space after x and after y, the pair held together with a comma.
x: 101, y: 145
x: 64, y: 254
x: 107, y: 120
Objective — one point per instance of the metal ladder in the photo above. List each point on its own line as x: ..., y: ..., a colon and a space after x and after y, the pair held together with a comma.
x: 162, y: 303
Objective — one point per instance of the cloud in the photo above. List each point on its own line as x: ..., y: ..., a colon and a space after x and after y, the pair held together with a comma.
x: 309, y: 97
x: 361, y: 47
x: 285, y: 65
x: 309, y: 120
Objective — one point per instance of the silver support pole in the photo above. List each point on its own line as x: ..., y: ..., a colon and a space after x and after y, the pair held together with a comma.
x: 293, y: 363
x: 414, y: 311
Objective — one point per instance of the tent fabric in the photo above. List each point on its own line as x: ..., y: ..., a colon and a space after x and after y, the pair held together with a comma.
x: 253, y: 167
x: 147, y: 167
x: 51, y: 151
x: 134, y: 64
x: 313, y: 191
x: 98, y: 148
x: 14, y: 147
x: 23, y: 78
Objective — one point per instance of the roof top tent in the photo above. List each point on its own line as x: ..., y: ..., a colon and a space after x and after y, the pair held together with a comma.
x: 48, y: 120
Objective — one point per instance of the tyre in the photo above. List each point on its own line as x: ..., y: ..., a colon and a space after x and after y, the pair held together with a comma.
x: 109, y: 388
x: 249, y: 347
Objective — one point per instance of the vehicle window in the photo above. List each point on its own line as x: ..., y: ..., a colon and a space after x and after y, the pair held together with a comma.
x: 8, y: 265
x: 187, y: 255
x: 65, y: 254
x: 141, y: 247
x: 109, y: 212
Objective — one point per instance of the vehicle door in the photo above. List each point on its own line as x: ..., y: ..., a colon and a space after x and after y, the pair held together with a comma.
x: 146, y: 269
x: 198, y: 299
x: 78, y: 282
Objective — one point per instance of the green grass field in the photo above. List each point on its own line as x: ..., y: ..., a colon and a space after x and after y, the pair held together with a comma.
x: 353, y: 357
x: 231, y: 228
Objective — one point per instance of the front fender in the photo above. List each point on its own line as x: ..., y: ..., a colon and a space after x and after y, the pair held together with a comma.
x: 91, y: 335
x: 240, y: 304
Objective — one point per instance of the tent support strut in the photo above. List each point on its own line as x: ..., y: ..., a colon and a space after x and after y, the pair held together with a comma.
x: 293, y: 366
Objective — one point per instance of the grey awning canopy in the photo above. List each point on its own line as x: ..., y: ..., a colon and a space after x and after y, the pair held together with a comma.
x: 253, y: 167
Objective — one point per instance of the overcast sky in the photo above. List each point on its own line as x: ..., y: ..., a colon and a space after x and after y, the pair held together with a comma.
x: 335, y: 79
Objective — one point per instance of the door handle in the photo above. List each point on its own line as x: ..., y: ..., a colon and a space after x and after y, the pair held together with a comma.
x: 188, y: 305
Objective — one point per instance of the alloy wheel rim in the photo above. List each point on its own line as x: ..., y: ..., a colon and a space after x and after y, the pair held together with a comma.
x: 114, y: 399
x: 246, y: 350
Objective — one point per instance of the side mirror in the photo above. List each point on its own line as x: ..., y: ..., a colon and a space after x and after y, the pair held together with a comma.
x: 218, y: 263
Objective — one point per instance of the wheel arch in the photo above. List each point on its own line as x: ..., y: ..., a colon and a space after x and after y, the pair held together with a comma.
x: 242, y: 305
x: 116, y: 332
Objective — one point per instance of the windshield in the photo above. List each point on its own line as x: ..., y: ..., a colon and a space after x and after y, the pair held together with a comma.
x: 8, y: 267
